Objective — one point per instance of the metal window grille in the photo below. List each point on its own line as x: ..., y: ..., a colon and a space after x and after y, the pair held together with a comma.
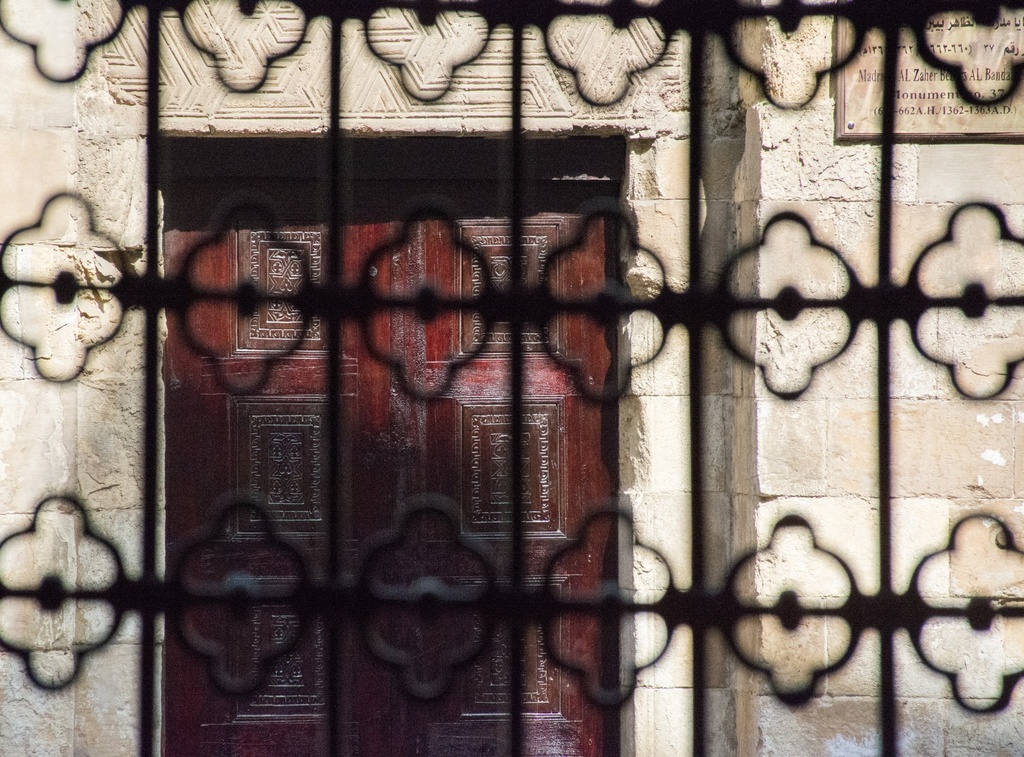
x: 508, y: 599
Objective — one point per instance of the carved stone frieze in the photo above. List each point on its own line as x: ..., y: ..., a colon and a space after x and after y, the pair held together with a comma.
x: 384, y: 76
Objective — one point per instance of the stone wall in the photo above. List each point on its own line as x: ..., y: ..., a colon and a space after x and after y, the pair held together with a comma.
x: 765, y: 457
x: 817, y: 456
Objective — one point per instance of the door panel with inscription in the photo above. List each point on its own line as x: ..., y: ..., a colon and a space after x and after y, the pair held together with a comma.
x: 267, y: 438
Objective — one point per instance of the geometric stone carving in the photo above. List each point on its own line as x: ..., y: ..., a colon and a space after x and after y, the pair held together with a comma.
x: 243, y: 46
x: 294, y: 98
x: 601, y: 57
x: 426, y: 54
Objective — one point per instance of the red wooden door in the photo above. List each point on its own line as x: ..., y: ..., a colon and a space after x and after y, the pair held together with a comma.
x: 269, y: 441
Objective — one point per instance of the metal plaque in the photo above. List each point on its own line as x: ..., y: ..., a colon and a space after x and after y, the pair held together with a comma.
x: 927, y: 103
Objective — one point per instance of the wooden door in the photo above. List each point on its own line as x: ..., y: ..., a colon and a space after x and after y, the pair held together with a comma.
x: 268, y: 440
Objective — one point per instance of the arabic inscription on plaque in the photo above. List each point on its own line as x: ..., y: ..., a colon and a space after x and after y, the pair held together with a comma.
x: 927, y: 102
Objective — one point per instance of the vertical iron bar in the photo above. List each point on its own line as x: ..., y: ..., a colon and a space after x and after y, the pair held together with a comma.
x: 334, y: 388
x: 891, y: 33
x: 151, y: 405
x: 517, y: 647
x: 696, y: 359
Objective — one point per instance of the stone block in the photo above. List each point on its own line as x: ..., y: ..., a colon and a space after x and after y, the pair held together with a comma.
x: 913, y: 376
x: 793, y: 657
x: 722, y: 155
x: 970, y: 173
x: 656, y: 455
x: 829, y: 726
x: 977, y: 659
x: 717, y: 417
x: 852, y: 374
x: 859, y: 677
x: 921, y: 730
x: 914, y: 680
x: 847, y: 527
x: 952, y: 449
x: 33, y: 722
x: 672, y: 168
x: 675, y: 667
x: 110, y: 97
x: 915, y: 226
x: 112, y: 178
x: 27, y: 99
x: 920, y: 527
x: 123, y: 529
x: 667, y: 373
x: 979, y: 562
x: 106, y: 722
x: 664, y: 721
x: 721, y: 723
x: 662, y: 522
x: 850, y: 228
x: 719, y: 549
x: 968, y: 734
x: 37, y: 165
x: 791, y: 439
x: 15, y: 360
x: 851, y: 466
x: 37, y: 427
x: 109, y: 447
x: 118, y: 365
x: 662, y: 229
x: 800, y: 160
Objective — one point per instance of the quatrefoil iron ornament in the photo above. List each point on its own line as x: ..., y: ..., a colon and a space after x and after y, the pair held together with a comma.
x: 261, y: 311
x: 790, y: 59
x: 981, y: 651
x: 799, y: 283
x: 432, y: 283
x: 62, y: 33
x: 240, y: 583
x: 776, y: 634
x: 590, y: 306
x: 586, y: 639
x: 59, y: 278
x: 601, y: 58
x: 977, y: 263
x: 427, y: 581
x: 426, y: 54
x: 986, y: 70
x: 53, y: 576
x: 242, y: 44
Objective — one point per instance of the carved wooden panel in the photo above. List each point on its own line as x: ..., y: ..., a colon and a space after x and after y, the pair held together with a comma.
x: 279, y: 262
x: 280, y: 458
x: 493, y: 239
x: 490, y: 685
x: 486, y: 736
x: 296, y: 685
x: 487, y: 460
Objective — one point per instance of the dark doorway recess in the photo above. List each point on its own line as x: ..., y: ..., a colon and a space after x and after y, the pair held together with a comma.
x: 246, y: 418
